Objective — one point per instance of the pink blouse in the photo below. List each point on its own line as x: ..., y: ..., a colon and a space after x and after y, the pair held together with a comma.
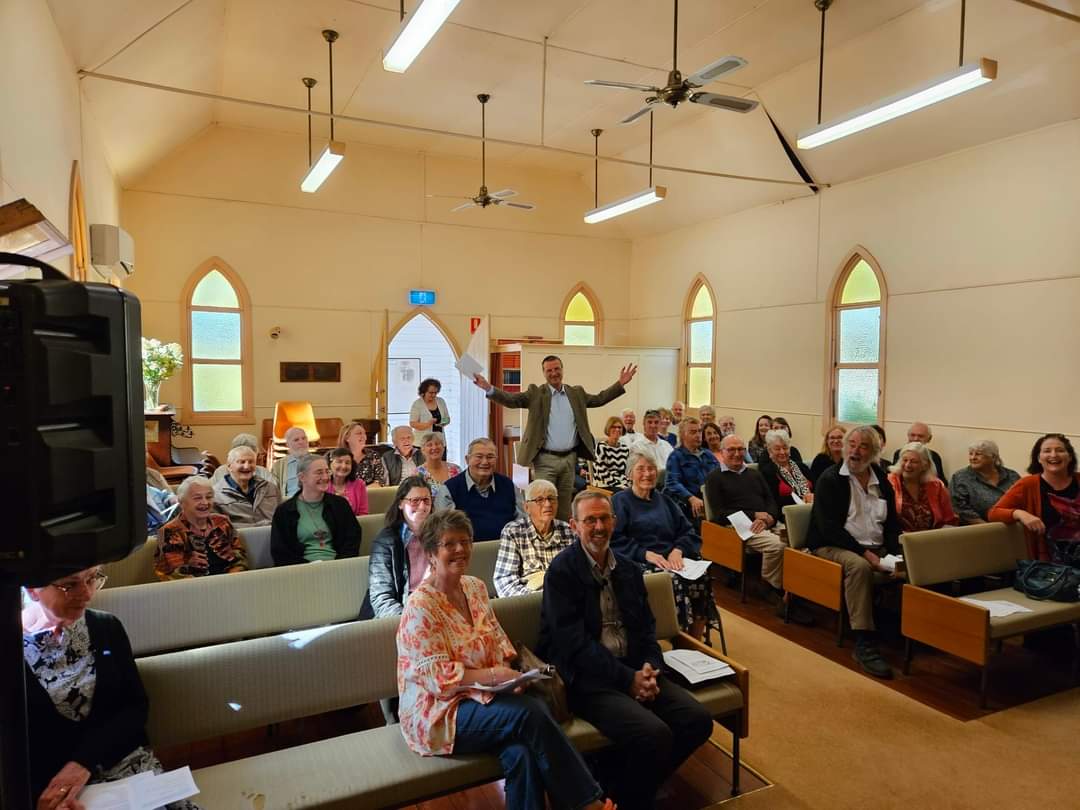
x: 435, y: 646
x: 355, y: 493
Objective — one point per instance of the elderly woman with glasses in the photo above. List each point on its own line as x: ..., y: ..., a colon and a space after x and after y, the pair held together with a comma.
x: 313, y: 524
x: 786, y: 477
x: 449, y: 640
x: 436, y: 470
x: 976, y: 488
x: 398, y: 564
x: 367, y: 461
x: 198, y: 542
x: 651, y: 530
x: 529, y: 544
x: 86, y: 706
x: 922, y: 502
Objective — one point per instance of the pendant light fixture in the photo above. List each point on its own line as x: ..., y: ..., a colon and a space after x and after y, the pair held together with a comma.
x: 416, y: 32
x: 653, y: 194
x: 334, y: 151
x: 964, y: 78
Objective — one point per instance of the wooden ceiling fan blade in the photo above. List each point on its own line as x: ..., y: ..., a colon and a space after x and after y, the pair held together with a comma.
x: 732, y: 103
x: 645, y: 88
x: 709, y: 73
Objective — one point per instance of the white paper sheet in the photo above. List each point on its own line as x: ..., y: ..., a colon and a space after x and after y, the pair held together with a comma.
x: 142, y: 791
x: 696, y: 667
x: 521, y: 680
x: 997, y: 607
x: 741, y: 524
x: 694, y: 569
x: 889, y: 561
x: 469, y: 366
x: 797, y: 498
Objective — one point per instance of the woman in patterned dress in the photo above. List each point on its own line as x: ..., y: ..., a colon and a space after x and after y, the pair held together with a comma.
x: 367, y: 462
x: 448, y: 641
x: 922, y: 502
x: 86, y: 706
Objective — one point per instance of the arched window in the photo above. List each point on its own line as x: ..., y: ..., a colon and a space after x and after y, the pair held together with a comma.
x: 700, y: 316
x: 857, y: 375
x: 217, y: 346
x: 581, y: 320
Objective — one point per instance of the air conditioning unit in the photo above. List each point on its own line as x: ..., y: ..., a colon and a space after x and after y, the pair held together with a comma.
x: 112, y: 250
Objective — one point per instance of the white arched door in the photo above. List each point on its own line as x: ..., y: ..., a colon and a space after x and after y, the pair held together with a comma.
x: 417, y: 351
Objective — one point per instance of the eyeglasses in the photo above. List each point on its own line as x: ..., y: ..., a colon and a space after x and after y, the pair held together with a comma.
x: 552, y: 499
x: 454, y: 545
x: 92, y: 583
x: 415, y: 502
x: 595, y: 521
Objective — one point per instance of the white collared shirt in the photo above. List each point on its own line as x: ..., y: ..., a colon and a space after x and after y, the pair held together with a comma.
x: 660, y: 447
x: 867, y: 510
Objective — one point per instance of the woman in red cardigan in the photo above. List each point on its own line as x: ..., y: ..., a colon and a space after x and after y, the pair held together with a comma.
x: 1046, y: 502
x: 922, y: 501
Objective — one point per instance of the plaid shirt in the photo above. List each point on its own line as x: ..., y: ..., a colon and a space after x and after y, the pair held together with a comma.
x: 522, y: 553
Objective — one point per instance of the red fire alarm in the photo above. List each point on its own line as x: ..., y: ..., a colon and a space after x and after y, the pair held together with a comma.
x: 474, y: 324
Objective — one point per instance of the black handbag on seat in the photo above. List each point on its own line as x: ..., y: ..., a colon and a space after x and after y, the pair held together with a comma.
x: 1047, y: 581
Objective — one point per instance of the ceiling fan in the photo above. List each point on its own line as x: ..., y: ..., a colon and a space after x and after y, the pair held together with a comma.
x: 484, y: 199
x: 677, y: 90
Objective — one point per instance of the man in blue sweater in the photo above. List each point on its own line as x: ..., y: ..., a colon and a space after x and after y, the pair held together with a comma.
x: 489, y: 499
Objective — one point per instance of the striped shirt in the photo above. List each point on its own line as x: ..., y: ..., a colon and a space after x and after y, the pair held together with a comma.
x: 609, y: 467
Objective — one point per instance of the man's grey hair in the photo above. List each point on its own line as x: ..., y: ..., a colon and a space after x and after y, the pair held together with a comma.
x: 688, y: 422
x: 777, y: 437
x: 871, y: 435
x: 238, y: 450
x: 433, y: 436
x: 305, y: 462
x: 589, y: 495
x: 190, y: 483
x: 625, y: 411
x: 246, y: 440
x: 481, y: 440
x: 923, y: 452
x: 704, y: 409
x: 394, y: 433
x: 293, y: 431
x: 988, y: 448
x: 641, y: 452
x: 540, y: 487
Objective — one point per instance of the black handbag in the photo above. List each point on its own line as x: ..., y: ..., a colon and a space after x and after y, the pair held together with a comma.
x: 1047, y: 581
x: 552, y: 690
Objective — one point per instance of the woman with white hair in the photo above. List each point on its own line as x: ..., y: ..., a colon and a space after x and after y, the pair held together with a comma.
x: 529, y: 544
x: 651, y: 530
x: 980, y: 485
x: 786, y: 477
x: 436, y: 470
x: 198, y: 542
x: 922, y: 502
x: 241, y: 495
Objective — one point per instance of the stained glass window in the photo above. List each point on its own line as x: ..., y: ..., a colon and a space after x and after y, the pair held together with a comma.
x: 218, y: 324
x: 579, y: 320
x: 858, y: 334
x: 698, y: 355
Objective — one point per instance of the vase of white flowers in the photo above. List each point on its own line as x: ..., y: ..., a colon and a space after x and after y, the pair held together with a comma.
x: 159, y: 362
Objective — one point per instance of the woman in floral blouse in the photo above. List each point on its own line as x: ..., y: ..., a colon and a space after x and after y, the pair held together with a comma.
x: 449, y: 640
x: 85, y: 703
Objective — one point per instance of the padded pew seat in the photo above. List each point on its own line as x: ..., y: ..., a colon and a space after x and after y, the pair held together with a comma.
x: 1043, y: 614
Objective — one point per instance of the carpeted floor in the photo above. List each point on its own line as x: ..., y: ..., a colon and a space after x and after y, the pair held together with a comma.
x: 833, y: 739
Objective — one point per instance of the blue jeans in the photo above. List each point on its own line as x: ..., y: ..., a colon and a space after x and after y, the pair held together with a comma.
x: 534, y: 753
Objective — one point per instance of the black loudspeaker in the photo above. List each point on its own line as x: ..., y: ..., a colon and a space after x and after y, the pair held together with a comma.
x: 71, y: 425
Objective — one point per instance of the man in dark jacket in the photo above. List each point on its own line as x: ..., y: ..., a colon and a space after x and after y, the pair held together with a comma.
x: 597, y: 628
x: 854, y: 523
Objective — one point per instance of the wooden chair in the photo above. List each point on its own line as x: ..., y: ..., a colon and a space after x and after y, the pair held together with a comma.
x: 813, y: 578
x: 723, y: 546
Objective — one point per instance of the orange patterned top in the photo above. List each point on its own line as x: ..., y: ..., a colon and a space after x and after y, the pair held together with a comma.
x: 435, y: 646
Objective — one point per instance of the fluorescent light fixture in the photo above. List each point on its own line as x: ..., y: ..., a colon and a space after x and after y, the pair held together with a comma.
x: 416, y: 32
x: 326, y: 162
x: 627, y: 204
x: 951, y: 84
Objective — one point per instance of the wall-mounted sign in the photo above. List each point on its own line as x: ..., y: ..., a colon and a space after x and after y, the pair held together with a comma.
x: 422, y: 298
x: 474, y: 324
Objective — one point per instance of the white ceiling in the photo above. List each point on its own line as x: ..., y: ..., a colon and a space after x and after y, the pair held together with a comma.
x: 259, y: 50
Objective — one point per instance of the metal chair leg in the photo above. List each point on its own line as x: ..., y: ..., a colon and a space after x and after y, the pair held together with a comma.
x: 742, y: 583
x: 983, y: 681
x: 736, y: 762
x: 909, y: 652
x: 1076, y: 651
x: 840, y: 627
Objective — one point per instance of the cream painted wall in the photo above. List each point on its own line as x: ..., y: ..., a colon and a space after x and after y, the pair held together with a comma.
x: 45, y: 123
x: 328, y: 268
x: 981, y: 253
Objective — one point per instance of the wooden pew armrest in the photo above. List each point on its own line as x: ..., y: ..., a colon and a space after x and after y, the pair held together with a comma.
x: 813, y: 578
x: 946, y: 623
x: 684, y: 641
x: 721, y: 545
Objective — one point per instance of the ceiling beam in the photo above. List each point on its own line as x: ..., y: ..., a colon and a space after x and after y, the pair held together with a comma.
x: 1057, y: 12
x: 446, y: 133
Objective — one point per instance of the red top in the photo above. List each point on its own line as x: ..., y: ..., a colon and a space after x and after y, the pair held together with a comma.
x: 936, y: 495
x: 1024, y: 494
